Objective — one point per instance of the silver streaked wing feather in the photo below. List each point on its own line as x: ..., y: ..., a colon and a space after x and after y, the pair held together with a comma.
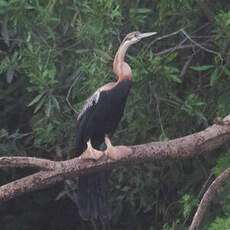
x: 90, y: 102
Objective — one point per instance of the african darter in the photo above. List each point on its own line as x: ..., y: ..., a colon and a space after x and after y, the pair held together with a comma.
x: 96, y: 123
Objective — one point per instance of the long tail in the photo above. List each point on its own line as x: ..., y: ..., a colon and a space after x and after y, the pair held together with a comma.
x: 93, y: 200
x: 93, y: 189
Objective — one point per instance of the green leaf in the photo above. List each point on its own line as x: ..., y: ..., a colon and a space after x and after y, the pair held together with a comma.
x: 176, y: 99
x: 226, y: 71
x: 143, y: 10
x: 171, y: 57
x: 81, y: 51
x: 125, y: 188
x: 62, y: 194
x: 228, y: 22
x: 200, y: 103
x: 51, y: 32
x: 40, y: 104
x: 36, y: 99
x: 201, y: 68
x: 174, y: 78
x: 3, y: 3
x: 115, y: 13
x: 29, y: 7
x: 213, y: 77
x: 55, y: 19
x: 103, y: 54
x: 3, y: 133
x: 222, y: 164
x: 55, y: 101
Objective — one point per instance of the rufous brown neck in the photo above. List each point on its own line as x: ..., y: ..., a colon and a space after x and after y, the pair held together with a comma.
x: 120, y: 67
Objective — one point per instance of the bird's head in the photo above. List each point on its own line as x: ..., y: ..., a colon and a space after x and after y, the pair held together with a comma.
x: 120, y: 67
x: 136, y: 36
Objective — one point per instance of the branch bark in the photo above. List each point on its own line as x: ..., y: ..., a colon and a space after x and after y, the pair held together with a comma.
x: 52, y: 172
x: 207, y: 198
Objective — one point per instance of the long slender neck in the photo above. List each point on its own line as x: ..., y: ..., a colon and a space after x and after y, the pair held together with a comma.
x: 120, y: 67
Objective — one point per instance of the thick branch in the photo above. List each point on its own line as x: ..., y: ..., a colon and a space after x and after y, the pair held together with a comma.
x: 207, y: 198
x: 22, y: 162
x: 54, y: 172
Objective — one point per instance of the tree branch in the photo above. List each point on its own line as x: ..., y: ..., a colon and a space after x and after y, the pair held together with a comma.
x: 23, y: 162
x: 180, y: 45
x: 207, y: 198
x: 53, y: 172
x: 199, y: 45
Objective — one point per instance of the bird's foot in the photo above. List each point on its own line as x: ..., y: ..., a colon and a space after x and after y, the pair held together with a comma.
x: 91, y: 153
x: 110, y: 150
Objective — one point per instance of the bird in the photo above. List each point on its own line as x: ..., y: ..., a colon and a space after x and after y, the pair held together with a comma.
x: 96, y: 124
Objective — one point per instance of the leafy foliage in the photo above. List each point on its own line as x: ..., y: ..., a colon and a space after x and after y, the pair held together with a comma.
x: 189, y: 203
x: 55, y: 50
x: 220, y: 223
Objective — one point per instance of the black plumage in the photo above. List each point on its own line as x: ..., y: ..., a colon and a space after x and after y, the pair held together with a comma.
x: 100, y: 118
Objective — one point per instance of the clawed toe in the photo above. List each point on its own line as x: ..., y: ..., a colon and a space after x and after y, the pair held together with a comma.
x: 109, y: 152
x: 91, y: 153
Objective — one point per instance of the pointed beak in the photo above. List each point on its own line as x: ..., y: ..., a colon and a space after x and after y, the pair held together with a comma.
x: 145, y: 35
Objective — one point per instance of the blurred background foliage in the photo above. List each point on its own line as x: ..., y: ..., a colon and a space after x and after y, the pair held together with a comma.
x: 55, y: 50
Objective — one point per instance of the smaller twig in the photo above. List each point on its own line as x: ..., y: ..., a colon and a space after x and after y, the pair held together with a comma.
x: 71, y: 189
x: 172, y: 34
x: 71, y: 46
x: 162, y: 37
x: 205, y: 185
x: 186, y: 65
x: 69, y: 92
x: 159, y: 113
x: 199, y: 45
x: 207, y: 198
x: 48, y: 58
x: 177, y: 47
x: 168, y: 101
x: 211, y: 37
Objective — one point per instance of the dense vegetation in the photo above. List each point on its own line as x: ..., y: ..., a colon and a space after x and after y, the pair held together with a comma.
x: 56, y: 51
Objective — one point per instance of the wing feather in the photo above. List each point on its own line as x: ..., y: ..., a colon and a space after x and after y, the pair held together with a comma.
x: 90, y: 102
x: 82, y: 120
